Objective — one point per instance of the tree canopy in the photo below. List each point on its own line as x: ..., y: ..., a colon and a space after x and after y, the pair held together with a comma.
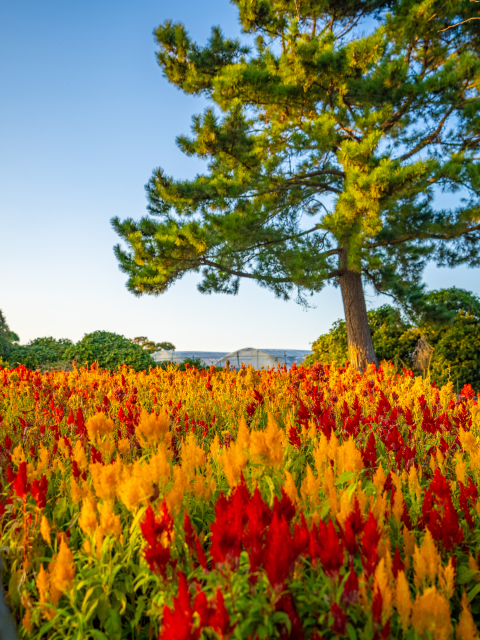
x: 110, y: 350
x: 333, y: 128
x: 453, y: 333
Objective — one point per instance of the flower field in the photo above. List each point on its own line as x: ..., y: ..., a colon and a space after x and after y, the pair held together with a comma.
x: 315, y: 503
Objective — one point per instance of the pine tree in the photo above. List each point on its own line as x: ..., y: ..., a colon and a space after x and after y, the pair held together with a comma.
x: 333, y: 129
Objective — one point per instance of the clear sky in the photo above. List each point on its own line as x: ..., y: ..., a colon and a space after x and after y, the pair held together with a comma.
x: 85, y: 116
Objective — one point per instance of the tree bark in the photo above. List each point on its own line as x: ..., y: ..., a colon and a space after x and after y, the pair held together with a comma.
x: 360, y: 345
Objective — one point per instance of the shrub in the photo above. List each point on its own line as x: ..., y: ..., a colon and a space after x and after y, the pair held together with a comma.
x: 110, y: 350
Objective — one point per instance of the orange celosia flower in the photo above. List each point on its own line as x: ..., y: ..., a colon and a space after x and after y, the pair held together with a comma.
x: 431, y: 615
x: 88, y: 517
x: 110, y: 523
x: 152, y: 428
x: 403, y: 601
x: 45, y: 529
x: 466, y: 627
x: 99, y: 425
x: 62, y: 571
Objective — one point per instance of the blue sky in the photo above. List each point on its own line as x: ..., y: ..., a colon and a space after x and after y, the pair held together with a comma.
x: 85, y: 116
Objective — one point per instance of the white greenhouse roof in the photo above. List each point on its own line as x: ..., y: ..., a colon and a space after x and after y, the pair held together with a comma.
x: 264, y: 357
x: 257, y: 358
x: 207, y: 357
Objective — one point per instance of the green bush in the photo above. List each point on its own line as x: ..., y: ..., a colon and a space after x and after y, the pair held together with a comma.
x: 110, y: 350
x: 450, y: 323
x: 41, y: 353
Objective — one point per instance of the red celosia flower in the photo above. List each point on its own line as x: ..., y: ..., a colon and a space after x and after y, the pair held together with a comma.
x: 259, y: 517
x: 369, y: 453
x: 350, y: 589
x: 370, y: 540
x: 158, y: 535
x: 467, y: 391
x: 280, y: 553
x: 439, y: 514
x: 326, y: 545
x: 7, y: 442
x: 339, y: 626
x: 286, y: 605
x: 39, y: 491
x: 20, y: 484
x: 397, y: 564
x: 178, y: 623
x: 377, y: 605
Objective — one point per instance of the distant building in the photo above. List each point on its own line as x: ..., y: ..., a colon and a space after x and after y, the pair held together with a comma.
x: 266, y: 358
x: 207, y: 358
x: 257, y: 358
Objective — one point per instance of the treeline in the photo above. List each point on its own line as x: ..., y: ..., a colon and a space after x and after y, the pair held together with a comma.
x: 111, y: 350
x: 444, y: 342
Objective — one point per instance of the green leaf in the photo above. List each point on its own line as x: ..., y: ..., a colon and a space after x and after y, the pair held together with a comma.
x: 113, y: 625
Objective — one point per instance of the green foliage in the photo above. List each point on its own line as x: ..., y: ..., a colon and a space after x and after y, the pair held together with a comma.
x: 329, y: 134
x: 454, y: 333
x: 7, y: 339
x: 151, y: 346
x: 41, y: 353
x: 110, y: 350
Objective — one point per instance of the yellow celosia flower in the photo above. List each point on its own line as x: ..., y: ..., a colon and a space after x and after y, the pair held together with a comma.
x: 44, y: 458
x: 107, y: 447
x: 398, y: 506
x: 27, y: 621
x: 446, y: 577
x: 133, y: 490
x: 174, y: 497
x: 110, y: 523
x: 18, y: 455
x: 105, y: 478
x: 215, y: 447
x: 62, y: 571
x: 426, y: 561
x: 466, y: 627
x: 193, y: 455
x: 346, y: 507
x: 233, y: 460
x: 290, y: 488
x: 403, y: 601
x: 45, y: 529
x: 349, y: 458
x: 380, y: 582
x: 408, y: 545
x: 460, y: 468
x: 243, y: 435
x: 79, y: 455
x: 330, y: 490
x: 199, y: 487
x: 123, y: 446
x: 320, y: 455
x: 79, y: 492
x: 431, y: 615
x: 88, y: 517
x: 310, y: 486
x: 158, y: 469
x: 267, y: 444
x: 152, y: 428
x: 99, y: 425
x: 379, y: 479
x: 413, y: 483
x: 43, y: 585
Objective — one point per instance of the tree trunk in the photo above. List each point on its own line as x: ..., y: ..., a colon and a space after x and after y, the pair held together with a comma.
x: 360, y: 345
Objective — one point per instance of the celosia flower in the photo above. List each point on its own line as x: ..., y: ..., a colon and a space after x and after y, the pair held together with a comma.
x: 158, y: 534
x: 99, y: 425
x: 45, y: 529
x: 62, y: 571
x: 39, y: 491
x: 88, y: 517
x: 431, y: 613
x: 110, y: 523
x: 21, y: 484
